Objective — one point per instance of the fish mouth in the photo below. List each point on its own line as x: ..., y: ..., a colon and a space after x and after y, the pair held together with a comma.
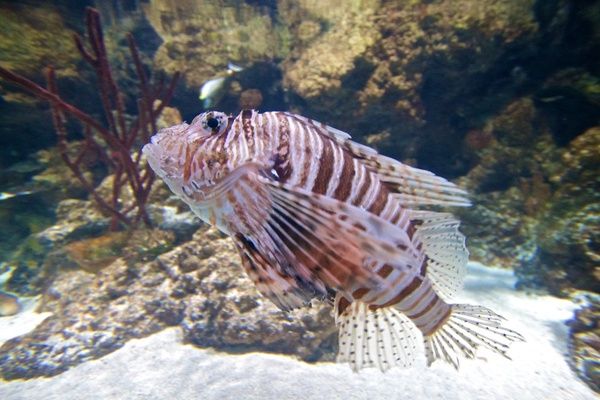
x: 148, y: 148
x: 150, y: 151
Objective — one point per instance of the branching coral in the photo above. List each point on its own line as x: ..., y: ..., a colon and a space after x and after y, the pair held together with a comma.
x: 115, y: 140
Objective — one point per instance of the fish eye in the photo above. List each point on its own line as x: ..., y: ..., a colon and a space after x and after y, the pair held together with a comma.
x: 212, y: 122
x: 215, y: 122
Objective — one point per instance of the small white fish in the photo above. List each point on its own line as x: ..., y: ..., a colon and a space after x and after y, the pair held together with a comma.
x: 231, y: 67
x: 212, y: 90
x: 8, y: 195
x: 316, y: 215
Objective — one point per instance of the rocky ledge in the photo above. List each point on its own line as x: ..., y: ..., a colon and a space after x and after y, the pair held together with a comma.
x: 199, y: 286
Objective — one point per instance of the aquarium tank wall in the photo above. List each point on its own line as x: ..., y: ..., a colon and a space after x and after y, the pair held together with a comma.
x: 117, y: 280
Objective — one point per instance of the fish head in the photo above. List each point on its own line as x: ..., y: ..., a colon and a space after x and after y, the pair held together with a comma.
x: 187, y: 156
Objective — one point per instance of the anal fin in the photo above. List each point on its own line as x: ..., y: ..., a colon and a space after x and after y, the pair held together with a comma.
x: 382, y: 338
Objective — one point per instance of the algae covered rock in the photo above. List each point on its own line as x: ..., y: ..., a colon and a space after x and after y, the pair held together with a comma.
x: 201, y: 37
x: 535, y: 201
x: 584, y: 341
x: 32, y: 37
x: 569, y: 232
x: 199, y: 286
x: 324, y: 57
x: 510, y: 185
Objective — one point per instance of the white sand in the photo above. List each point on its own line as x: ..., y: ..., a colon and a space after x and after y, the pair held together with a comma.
x: 160, y: 367
x: 23, y: 322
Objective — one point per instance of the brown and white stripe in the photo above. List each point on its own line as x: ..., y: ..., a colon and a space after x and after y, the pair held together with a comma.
x: 305, y: 155
x: 317, y: 163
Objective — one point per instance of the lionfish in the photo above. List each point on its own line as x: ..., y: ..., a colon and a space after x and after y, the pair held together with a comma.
x: 316, y: 215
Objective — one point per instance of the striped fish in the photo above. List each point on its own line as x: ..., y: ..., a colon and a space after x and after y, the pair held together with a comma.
x: 316, y: 215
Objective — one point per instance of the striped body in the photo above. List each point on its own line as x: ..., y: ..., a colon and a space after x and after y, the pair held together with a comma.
x: 317, y: 164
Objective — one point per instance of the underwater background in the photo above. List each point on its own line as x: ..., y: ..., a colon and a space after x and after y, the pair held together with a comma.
x: 501, y: 97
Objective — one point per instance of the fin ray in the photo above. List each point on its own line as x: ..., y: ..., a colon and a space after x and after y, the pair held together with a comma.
x: 468, y: 328
x: 281, y: 290
x: 382, y: 337
x: 445, y: 248
x: 336, y: 239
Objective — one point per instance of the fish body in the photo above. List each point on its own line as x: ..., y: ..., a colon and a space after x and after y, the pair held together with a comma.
x: 10, y: 195
x: 316, y: 215
x: 211, y: 89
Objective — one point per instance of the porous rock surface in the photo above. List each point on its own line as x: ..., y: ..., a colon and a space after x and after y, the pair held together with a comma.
x: 584, y: 341
x: 199, y: 38
x: 199, y: 286
x: 535, y: 202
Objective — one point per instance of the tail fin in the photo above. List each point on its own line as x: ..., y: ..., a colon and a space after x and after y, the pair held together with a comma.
x: 468, y: 328
x: 381, y: 338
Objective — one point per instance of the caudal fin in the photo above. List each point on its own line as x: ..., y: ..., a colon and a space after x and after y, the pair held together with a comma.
x: 468, y: 328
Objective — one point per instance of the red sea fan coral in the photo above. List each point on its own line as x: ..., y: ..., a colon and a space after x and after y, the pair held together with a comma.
x: 116, y: 138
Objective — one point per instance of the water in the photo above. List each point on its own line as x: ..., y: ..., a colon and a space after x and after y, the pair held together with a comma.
x: 106, y: 274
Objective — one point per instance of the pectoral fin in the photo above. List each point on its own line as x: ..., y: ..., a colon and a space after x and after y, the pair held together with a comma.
x: 332, y: 242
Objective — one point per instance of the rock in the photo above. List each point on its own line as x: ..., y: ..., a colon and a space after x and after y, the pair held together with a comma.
x: 96, y: 253
x: 584, y: 341
x: 419, y: 59
x: 229, y: 315
x: 199, y: 286
x: 9, y: 304
x: 79, y: 239
x: 510, y: 186
x: 168, y: 117
x: 250, y: 99
x: 75, y: 218
x: 244, y: 33
x: 32, y: 37
x: 569, y: 232
x: 323, y: 57
x: 535, y: 201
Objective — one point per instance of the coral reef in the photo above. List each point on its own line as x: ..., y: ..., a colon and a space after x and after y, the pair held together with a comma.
x: 189, y: 29
x: 199, y: 286
x: 535, y: 202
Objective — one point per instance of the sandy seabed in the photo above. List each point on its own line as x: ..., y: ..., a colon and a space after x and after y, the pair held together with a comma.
x: 161, y: 367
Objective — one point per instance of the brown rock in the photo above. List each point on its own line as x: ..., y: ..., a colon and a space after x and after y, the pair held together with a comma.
x: 584, y: 341
x: 199, y: 285
x: 9, y: 304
